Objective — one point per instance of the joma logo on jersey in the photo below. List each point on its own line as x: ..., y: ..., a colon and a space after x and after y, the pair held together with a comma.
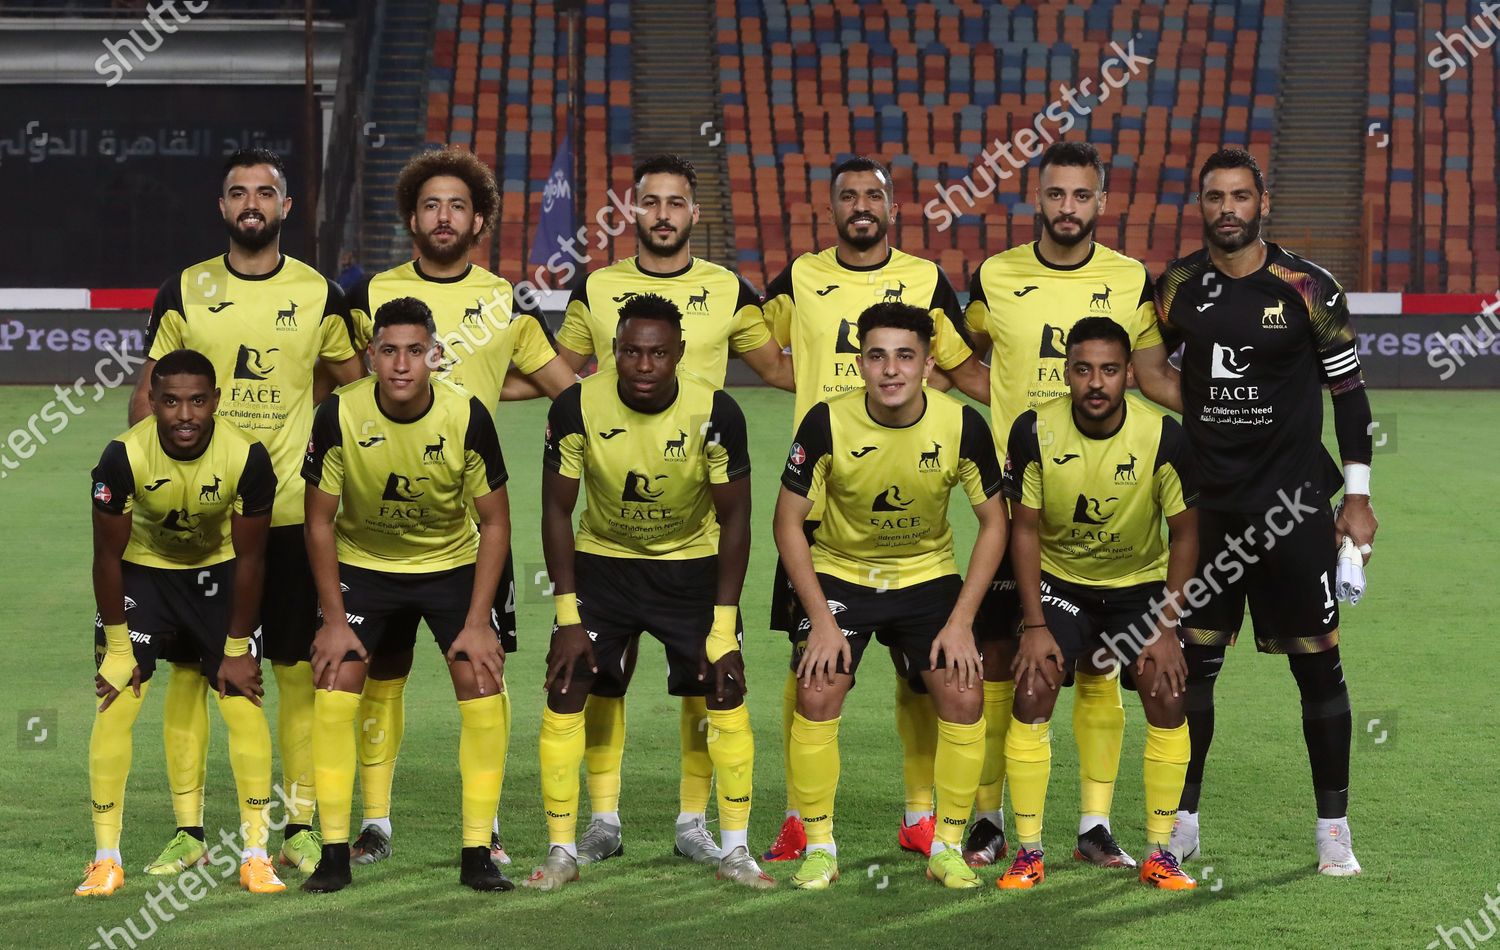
x: 1273, y: 318
x: 287, y: 319
x: 627, y: 295
x: 928, y: 461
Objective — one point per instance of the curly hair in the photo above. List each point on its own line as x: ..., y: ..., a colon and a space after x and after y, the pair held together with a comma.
x: 461, y: 164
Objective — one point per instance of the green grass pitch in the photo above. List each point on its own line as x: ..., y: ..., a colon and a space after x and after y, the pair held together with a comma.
x: 1419, y: 653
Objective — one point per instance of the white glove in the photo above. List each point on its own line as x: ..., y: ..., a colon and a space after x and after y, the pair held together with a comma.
x: 1350, y: 585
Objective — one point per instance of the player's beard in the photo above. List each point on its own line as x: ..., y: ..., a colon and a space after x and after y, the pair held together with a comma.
x: 677, y: 242
x: 1246, y: 235
x: 444, y: 256
x: 253, y: 240
x: 866, y: 242
x: 1085, y: 230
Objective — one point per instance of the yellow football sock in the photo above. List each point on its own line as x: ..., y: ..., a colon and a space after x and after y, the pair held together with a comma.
x: 561, y: 749
x: 1099, y: 729
x: 1167, y: 753
x: 815, y: 761
x: 959, y: 759
x: 382, y: 725
x: 335, y: 752
x: 1028, y: 766
x: 917, y: 724
x: 250, y: 761
x: 604, y: 750
x: 184, y: 728
x: 697, y: 765
x: 481, y: 764
x: 732, y: 748
x: 109, y: 765
x: 788, y: 710
x: 294, y: 731
x: 997, y: 703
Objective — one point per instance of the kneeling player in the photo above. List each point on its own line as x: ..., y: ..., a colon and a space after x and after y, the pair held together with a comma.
x: 885, y: 457
x: 182, y: 508
x: 661, y: 548
x: 1090, y: 569
x: 406, y: 454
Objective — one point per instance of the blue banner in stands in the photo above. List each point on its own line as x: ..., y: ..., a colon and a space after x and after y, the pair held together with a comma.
x: 558, y: 223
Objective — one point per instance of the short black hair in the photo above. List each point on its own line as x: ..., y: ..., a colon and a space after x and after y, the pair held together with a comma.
x: 1073, y: 155
x: 650, y: 307
x: 184, y: 363
x: 864, y: 163
x: 404, y: 311
x: 1099, y: 328
x: 1233, y: 157
x: 668, y: 164
x: 249, y: 157
x: 898, y: 316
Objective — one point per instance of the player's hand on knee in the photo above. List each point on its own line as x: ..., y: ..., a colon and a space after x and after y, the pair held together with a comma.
x: 482, y: 648
x: 1169, y: 666
x: 242, y: 674
x: 109, y: 694
x: 827, y: 649
x: 1039, y: 657
x: 333, y: 642
x: 1357, y: 522
x: 729, y: 672
x: 955, y: 643
x: 570, y: 646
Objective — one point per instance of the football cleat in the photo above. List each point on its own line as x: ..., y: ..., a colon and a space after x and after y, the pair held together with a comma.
x: 1161, y: 870
x: 917, y: 837
x: 497, y: 850
x: 101, y: 879
x: 1336, y: 851
x: 1184, y: 843
x: 372, y: 845
x: 1025, y: 871
x: 818, y: 871
x: 477, y: 870
x: 696, y: 844
x: 790, y: 841
x: 332, y: 872
x: 302, y: 850
x: 986, y: 844
x: 559, y: 869
x: 182, y: 852
x: 948, y: 868
x: 1097, y: 846
x: 600, y: 842
x: 739, y: 867
x: 258, y: 877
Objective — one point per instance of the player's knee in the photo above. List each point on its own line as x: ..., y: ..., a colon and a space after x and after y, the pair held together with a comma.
x: 819, y: 706
x: 1164, y: 711
x: 1035, y: 704
x: 1203, y: 666
x: 963, y: 707
x: 570, y: 702
x: 1320, y: 679
x: 731, y: 697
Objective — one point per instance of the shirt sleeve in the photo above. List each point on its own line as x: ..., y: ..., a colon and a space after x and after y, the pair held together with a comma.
x: 1332, y: 330
x: 950, y: 344
x: 575, y: 333
x: 779, y: 307
x: 725, y: 441
x: 812, y: 450
x: 566, y: 436
x: 336, y: 332
x: 324, y: 464
x: 361, y: 320
x: 1176, y: 482
x: 977, y: 314
x: 747, y: 329
x: 1147, y: 333
x: 1023, y: 462
x: 484, y: 465
x: 257, y: 485
x: 167, y: 327
x: 114, y: 482
x: 978, y: 465
x: 533, y: 348
x: 1164, y: 292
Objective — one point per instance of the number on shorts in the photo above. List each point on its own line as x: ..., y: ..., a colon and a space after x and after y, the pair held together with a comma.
x: 1328, y: 600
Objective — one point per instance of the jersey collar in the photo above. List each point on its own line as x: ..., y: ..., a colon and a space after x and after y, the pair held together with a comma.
x: 908, y: 425
x: 432, y: 401
x: 416, y: 265
x: 889, y: 252
x: 280, y: 263
x: 664, y: 275
x: 676, y: 394
x: 1036, y: 250
x: 1124, y: 413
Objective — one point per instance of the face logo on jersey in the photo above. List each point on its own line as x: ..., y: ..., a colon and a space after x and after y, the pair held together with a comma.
x: 1024, y: 290
x: 402, y: 488
x: 432, y: 452
x: 1272, y: 318
x: 1125, y: 471
x: 1090, y: 510
x: 1052, y: 346
x: 102, y: 494
x: 698, y: 301
x: 797, y: 456
x: 1100, y: 300
x: 179, y: 520
x: 210, y: 491
x: 287, y: 319
x: 891, y: 500
x: 860, y: 453
x: 157, y: 484
x: 371, y: 442
x: 221, y: 306
x: 928, y: 461
x: 676, y: 448
x: 606, y: 436
x: 826, y: 290
x: 251, y: 363
x: 893, y: 294
x: 638, y: 488
x: 847, y: 342
x: 1228, y: 364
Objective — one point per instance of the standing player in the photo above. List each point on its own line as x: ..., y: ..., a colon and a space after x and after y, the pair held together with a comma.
x: 1264, y: 330
x: 1022, y: 301
x: 447, y: 199
x: 813, y: 307
x: 1098, y: 585
x: 885, y: 459
x: 182, y: 507
x: 265, y: 321
x: 665, y: 553
x: 721, y: 314
x: 409, y: 457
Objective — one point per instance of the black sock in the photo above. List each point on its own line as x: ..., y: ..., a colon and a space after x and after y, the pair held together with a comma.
x: 196, y: 831
x: 1327, y: 728
x: 291, y: 831
x: 1203, y: 665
